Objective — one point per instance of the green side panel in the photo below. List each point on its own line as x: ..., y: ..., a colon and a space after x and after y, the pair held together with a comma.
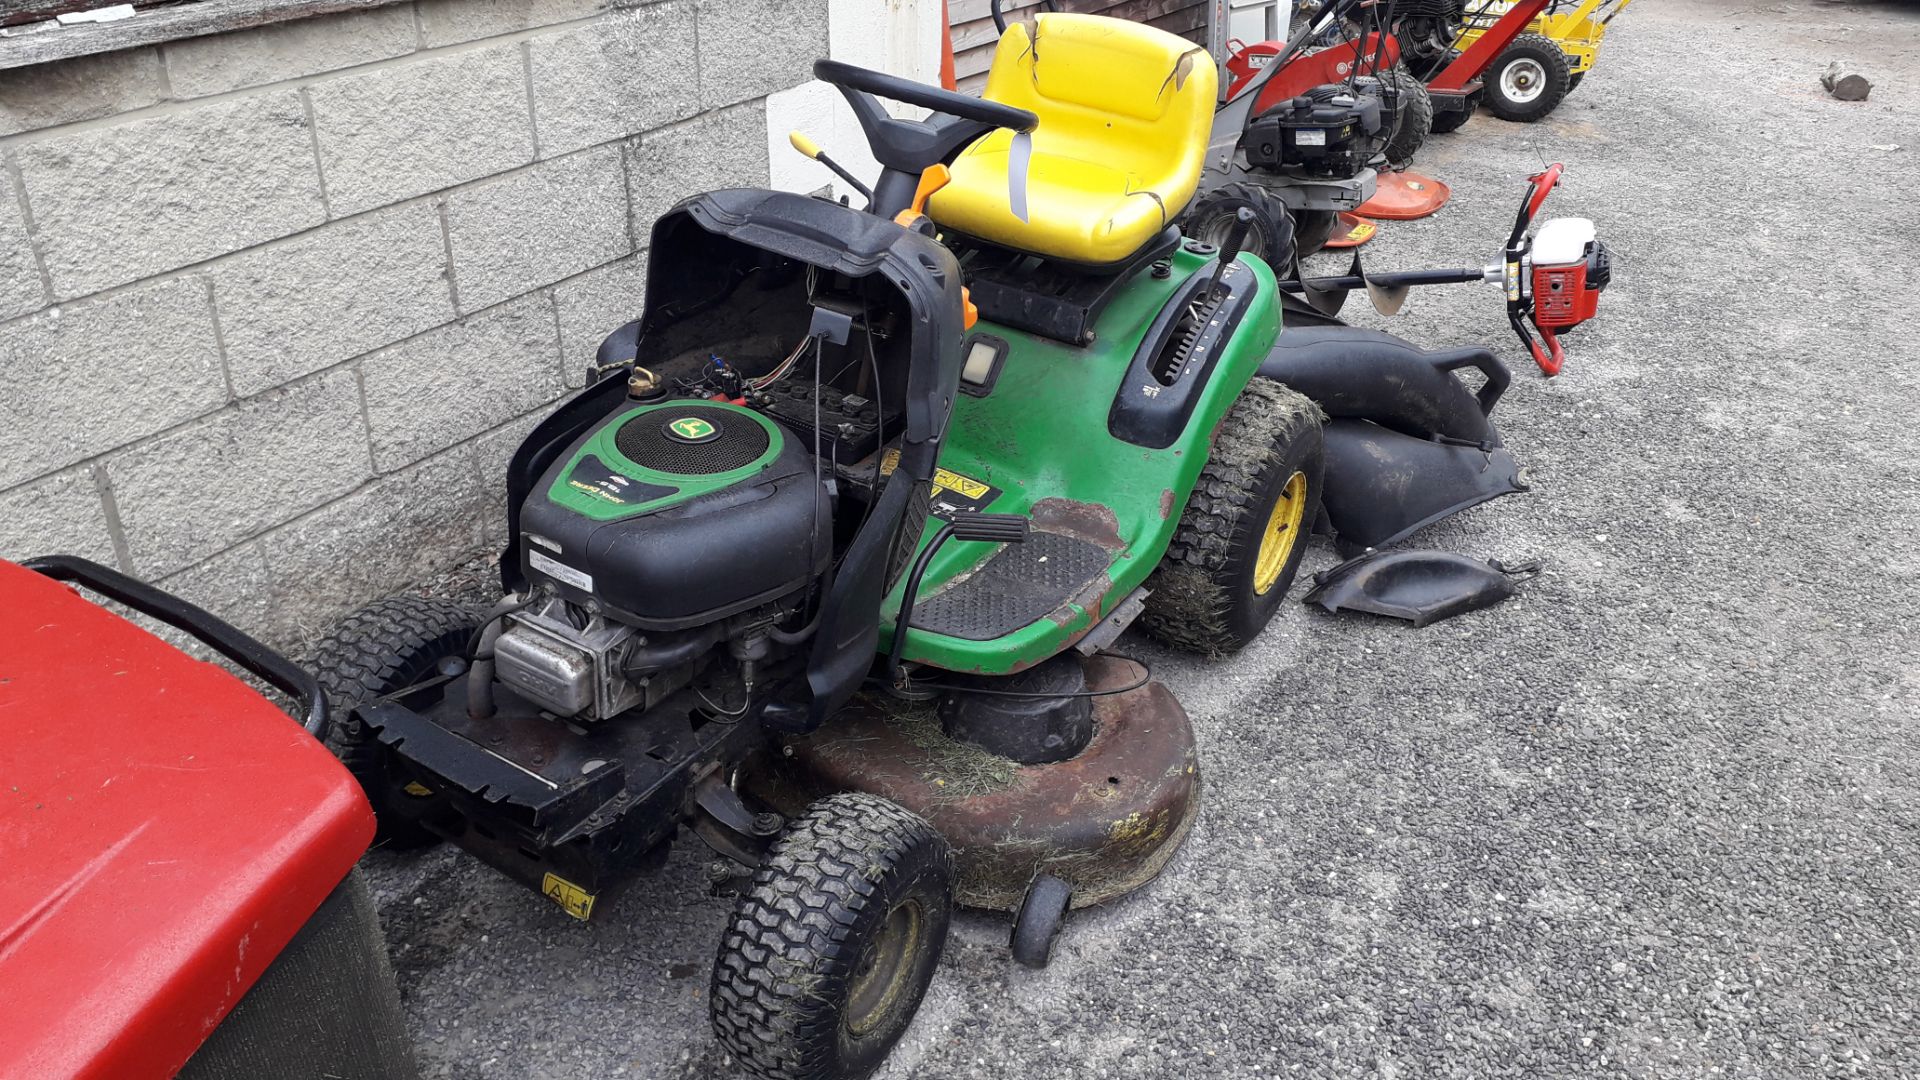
x: 1042, y: 434
x: 580, y: 489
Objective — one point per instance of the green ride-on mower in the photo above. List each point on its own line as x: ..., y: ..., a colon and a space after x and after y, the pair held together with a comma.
x: 825, y: 563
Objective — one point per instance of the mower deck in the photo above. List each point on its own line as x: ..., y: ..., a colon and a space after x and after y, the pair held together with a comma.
x: 1105, y: 820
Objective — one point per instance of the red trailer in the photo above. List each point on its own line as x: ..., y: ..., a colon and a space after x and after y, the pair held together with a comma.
x: 180, y: 895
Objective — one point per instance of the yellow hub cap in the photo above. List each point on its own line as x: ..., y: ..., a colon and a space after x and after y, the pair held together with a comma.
x: 1283, y: 532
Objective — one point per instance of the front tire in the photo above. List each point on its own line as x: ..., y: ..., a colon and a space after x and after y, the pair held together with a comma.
x: 1243, y: 532
x: 830, y: 950
x: 1528, y: 80
x: 386, y: 646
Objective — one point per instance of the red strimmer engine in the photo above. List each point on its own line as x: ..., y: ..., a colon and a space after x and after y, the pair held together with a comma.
x: 1553, y: 278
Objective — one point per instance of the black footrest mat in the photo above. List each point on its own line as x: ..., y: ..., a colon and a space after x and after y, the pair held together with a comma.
x: 1017, y: 587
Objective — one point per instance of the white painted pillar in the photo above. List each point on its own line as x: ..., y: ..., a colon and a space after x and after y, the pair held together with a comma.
x: 900, y: 37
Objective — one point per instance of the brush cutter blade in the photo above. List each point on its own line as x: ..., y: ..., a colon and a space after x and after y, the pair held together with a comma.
x: 1405, y: 196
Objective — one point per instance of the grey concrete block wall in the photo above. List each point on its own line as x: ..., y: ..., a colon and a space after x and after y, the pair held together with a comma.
x: 277, y: 305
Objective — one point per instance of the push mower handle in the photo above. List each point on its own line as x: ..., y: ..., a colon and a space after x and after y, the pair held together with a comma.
x: 271, y: 667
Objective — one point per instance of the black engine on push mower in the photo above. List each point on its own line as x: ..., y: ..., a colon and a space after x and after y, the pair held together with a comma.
x: 1331, y: 132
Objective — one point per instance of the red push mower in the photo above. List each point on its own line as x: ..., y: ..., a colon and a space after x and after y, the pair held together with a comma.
x: 1317, y: 128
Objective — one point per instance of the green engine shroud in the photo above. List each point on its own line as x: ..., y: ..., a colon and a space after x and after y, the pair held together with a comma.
x: 583, y: 487
x: 676, y: 514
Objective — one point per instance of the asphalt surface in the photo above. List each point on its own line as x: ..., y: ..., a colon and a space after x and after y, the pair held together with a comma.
x: 1658, y: 817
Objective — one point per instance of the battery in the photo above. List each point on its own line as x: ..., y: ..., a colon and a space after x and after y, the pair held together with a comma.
x: 850, y: 427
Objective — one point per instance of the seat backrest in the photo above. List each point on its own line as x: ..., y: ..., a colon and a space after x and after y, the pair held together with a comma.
x: 1112, y: 92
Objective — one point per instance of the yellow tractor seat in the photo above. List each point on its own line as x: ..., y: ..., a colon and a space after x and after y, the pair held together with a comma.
x: 1125, y: 111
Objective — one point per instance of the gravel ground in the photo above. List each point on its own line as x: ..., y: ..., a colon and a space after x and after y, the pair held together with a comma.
x: 1658, y: 817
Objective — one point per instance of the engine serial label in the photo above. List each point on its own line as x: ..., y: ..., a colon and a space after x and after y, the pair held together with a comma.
x: 559, y: 571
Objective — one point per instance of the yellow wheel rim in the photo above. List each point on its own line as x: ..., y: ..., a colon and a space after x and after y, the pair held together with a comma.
x: 1283, y: 532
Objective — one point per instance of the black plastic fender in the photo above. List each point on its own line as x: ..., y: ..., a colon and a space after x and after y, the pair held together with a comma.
x: 1382, y: 486
x: 1419, y: 586
x: 1369, y: 375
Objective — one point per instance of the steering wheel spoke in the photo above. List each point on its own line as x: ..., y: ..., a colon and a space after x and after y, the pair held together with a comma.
x: 906, y: 148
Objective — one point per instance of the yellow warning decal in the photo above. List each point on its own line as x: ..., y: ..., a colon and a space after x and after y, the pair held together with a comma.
x: 572, y: 899
x: 962, y: 485
x: 951, y: 490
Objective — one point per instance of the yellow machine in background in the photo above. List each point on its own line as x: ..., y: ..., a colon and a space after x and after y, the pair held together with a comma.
x: 1575, y: 26
x: 1542, y: 64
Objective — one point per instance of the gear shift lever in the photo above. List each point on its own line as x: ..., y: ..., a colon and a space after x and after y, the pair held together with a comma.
x: 1236, y: 239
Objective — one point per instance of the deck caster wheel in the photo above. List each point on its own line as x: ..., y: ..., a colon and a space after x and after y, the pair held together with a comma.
x: 1037, y: 924
x: 831, y: 948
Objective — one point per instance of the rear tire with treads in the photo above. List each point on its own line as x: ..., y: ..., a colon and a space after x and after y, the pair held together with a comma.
x: 1213, y: 592
x: 1414, y: 122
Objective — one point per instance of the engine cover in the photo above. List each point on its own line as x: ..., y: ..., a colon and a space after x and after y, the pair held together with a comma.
x: 1326, y: 133
x: 678, y: 513
x: 1570, y: 269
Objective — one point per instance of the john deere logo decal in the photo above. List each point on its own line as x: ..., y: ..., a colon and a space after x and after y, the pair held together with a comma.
x: 691, y: 429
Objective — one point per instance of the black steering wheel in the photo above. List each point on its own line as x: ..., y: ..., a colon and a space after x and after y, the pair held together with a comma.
x: 907, y: 148
x: 879, y: 84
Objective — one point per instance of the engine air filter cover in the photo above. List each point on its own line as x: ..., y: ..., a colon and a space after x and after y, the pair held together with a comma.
x: 676, y: 513
x: 655, y: 456
x: 693, y: 440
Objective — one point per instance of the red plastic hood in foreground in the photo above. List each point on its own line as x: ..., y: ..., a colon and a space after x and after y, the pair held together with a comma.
x: 164, y: 831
